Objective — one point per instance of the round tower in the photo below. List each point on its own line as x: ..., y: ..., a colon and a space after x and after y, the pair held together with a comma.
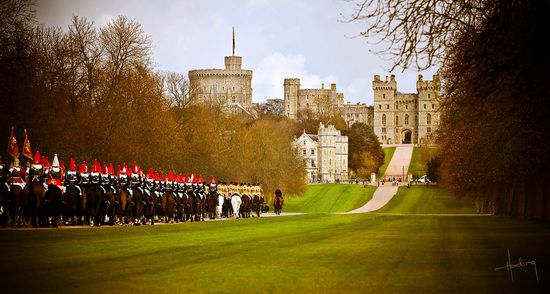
x: 291, y: 91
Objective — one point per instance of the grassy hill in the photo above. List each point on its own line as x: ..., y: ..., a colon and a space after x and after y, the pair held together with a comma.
x: 427, y: 199
x: 388, y: 154
x: 330, y: 198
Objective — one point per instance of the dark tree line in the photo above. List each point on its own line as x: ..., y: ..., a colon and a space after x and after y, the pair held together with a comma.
x: 494, y: 132
x: 87, y: 92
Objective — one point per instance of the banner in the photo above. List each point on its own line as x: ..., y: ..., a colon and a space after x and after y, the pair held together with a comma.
x: 13, y: 149
x: 27, y: 152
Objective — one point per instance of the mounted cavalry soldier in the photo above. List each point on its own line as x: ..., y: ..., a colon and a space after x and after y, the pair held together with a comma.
x: 73, y: 196
x: 54, y: 202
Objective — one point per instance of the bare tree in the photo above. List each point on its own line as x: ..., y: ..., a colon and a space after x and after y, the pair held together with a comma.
x: 176, y: 88
x: 417, y: 33
x: 15, y: 15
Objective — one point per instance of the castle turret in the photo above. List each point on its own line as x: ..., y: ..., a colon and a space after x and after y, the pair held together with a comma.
x: 291, y: 91
x: 384, y: 109
x: 428, y: 105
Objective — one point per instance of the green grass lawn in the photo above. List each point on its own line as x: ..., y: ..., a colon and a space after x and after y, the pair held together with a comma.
x: 310, y: 253
x: 315, y: 253
x: 388, y: 154
x: 330, y: 198
x: 417, y: 166
x: 427, y: 199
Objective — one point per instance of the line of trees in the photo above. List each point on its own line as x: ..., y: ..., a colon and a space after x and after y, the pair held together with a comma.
x: 494, y: 134
x: 87, y: 92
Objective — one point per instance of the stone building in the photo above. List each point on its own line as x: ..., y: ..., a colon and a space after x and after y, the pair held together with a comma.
x: 315, y: 100
x: 325, y: 154
x: 230, y: 87
x: 359, y: 112
x: 403, y: 118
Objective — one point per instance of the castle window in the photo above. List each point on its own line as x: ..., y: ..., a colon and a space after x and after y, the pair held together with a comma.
x: 429, y: 130
x: 428, y: 95
x: 429, y: 119
x: 312, y: 151
x: 406, y: 119
x: 384, y: 96
x: 396, y: 106
x: 304, y: 152
x: 383, y: 130
x: 379, y: 106
x: 406, y: 106
x: 384, y: 119
x: 396, y: 120
x: 233, y: 99
x: 388, y: 106
x: 433, y: 106
x: 424, y: 106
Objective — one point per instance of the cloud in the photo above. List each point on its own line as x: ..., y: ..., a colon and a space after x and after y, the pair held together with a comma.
x: 269, y: 75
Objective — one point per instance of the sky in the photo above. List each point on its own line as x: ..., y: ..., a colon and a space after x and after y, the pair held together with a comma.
x: 277, y: 39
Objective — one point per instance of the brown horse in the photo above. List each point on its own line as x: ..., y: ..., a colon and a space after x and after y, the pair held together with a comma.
x: 122, y: 205
x: 278, y: 202
x: 246, y: 206
x: 169, y: 205
x: 53, y: 204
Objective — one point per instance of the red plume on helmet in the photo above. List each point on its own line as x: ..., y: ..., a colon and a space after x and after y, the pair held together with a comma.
x: 84, y: 168
x: 135, y: 169
x: 105, y: 169
x: 124, y: 170
x: 212, y: 181
x: 36, y: 157
x: 72, y: 165
x: 150, y: 174
x: 200, y: 179
x: 111, y: 169
x: 45, y: 161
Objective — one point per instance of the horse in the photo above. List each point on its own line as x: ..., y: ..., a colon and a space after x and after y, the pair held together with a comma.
x: 200, y: 203
x: 109, y: 203
x: 257, y: 202
x: 278, y: 202
x: 94, y: 197
x: 4, y: 194
x: 35, y: 195
x: 236, y: 204
x: 219, y: 206
x: 211, y: 204
x: 189, y: 207
x: 169, y: 204
x: 137, y: 204
x: 227, y: 208
x: 150, y: 199
x: 53, y: 204
x: 246, y: 206
x: 122, y: 205
x: 73, y: 205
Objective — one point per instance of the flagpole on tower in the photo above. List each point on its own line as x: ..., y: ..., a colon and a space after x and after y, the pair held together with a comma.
x: 233, y: 41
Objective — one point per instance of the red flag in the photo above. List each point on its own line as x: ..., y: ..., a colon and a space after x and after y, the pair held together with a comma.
x: 13, y: 149
x: 27, y: 152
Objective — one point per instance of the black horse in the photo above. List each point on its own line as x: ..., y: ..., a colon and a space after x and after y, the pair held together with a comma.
x: 278, y: 202
x: 211, y: 203
x: 73, y: 212
x: 94, y: 199
x: 149, y: 210
x: 53, y: 205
